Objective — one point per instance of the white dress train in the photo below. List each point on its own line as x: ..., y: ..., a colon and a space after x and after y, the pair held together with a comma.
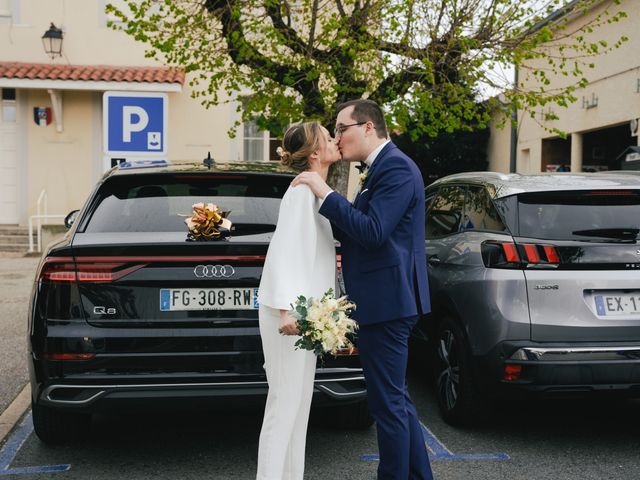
x: 300, y: 261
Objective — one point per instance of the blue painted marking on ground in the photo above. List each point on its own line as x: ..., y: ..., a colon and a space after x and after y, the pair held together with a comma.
x: 437, y: 451
x: 435, y: 446
x: 13, y: 446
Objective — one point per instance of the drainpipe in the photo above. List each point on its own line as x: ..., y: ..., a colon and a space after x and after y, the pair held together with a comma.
x: 514, y: 128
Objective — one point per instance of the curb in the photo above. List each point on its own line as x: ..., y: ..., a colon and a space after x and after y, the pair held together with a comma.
x: 14, y: 412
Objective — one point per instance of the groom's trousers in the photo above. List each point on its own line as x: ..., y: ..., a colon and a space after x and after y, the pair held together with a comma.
x: 290, y: 374
x: 384, y: 352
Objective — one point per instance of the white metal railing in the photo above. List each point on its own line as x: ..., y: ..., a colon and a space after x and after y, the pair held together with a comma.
x: 39, y: 218
x: 41, y: 214
x: 42, y: 198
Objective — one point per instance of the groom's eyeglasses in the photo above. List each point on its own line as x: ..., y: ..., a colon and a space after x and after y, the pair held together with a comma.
x: 337, y: 133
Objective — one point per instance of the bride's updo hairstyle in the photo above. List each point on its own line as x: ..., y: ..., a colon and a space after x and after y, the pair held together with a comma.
x: 299, y: 142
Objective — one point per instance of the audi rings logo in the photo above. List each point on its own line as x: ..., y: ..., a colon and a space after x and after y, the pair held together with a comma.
x: 214, y: 271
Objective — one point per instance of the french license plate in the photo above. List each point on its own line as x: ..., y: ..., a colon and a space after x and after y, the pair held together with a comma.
x: 176, y: 299
x: 617, y: 304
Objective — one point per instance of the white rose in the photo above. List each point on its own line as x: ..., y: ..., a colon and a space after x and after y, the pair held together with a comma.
x: 313, y: 313
x: 332, y: 304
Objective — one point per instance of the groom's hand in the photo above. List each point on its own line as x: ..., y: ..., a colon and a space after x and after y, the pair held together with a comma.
x: 314, y: 182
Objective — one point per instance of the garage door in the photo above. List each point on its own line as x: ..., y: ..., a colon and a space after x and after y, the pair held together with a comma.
x: 8, y: 158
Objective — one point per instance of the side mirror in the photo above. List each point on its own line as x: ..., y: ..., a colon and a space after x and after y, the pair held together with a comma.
x: 69, y: 219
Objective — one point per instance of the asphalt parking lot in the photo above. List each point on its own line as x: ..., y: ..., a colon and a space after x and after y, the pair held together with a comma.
x: 568, y: 439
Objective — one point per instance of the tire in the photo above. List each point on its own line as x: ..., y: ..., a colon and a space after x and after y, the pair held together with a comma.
x: 354, y: 416
x: 54, y: 426
x: 459, y: 401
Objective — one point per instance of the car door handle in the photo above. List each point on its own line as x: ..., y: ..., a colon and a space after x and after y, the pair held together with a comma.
x: 434, y: 260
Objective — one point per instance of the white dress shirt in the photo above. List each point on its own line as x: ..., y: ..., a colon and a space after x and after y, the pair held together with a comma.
x: 369, y: 161
x: 373, y: 155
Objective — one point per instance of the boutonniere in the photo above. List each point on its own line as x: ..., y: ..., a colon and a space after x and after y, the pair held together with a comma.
x: 363, y: 177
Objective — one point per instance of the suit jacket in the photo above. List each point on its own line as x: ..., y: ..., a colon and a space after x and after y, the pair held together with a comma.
x: 382, y: 238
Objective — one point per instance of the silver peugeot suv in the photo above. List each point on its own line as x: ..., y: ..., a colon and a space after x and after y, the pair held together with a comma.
x: 535, y: 286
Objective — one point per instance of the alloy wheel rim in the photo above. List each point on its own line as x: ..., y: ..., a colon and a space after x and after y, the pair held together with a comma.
x: 449, y: 376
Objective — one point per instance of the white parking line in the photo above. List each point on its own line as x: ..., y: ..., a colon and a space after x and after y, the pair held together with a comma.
x: 12, y: 414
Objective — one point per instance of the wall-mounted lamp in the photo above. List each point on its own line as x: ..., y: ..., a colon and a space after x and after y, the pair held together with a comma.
x: 52, y: 41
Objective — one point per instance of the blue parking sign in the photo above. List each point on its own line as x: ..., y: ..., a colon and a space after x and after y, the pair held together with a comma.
x: 135, y: 123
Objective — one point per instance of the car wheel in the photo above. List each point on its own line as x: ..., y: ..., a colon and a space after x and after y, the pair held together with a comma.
x: 354, y: 416
x: 460, y: 403
x: 56, y: 426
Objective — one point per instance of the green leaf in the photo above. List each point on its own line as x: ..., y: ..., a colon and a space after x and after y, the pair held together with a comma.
x: 427, y: 77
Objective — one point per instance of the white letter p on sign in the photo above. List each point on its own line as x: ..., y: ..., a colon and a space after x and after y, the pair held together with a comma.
x: 128, y: 126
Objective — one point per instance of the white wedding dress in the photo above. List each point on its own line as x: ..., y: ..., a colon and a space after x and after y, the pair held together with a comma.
x: 301, y: 260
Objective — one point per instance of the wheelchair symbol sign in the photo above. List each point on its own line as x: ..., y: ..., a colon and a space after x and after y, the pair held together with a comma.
x: 135, y: 123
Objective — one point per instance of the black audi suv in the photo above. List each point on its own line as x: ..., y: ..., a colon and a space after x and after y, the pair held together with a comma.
x: 128, y: 312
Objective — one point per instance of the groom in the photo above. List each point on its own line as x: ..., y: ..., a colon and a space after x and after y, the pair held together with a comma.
x: 384, y: 267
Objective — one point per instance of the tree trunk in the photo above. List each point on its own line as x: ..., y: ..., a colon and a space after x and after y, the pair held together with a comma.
x: 339, y: 177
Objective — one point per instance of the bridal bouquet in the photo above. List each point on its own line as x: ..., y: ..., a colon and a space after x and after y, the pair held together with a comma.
x: 208, y: 222
x: 324, y: 323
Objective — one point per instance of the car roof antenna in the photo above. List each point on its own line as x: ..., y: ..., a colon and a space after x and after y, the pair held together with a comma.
x: 209, y: 162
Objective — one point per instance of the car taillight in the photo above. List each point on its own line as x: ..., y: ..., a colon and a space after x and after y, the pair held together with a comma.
x: 58, y: 269
x: 512, y: 372
x: 500, y: 255
x: 542, y: 255
x: 104, y: 272
x: 339, y: 261
x: 68, y: 356
x: 551, y: 253
x: 65, y: 269
x: 510, y: 255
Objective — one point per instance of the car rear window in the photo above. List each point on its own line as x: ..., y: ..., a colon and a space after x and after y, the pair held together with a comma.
x: 579, y: 215
x: 160, y: 203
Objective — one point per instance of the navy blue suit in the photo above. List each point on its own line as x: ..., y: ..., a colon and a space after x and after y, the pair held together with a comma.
x: 384, y: 268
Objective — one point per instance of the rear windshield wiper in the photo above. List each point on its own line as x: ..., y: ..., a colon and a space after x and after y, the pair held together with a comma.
x: 628, y: 233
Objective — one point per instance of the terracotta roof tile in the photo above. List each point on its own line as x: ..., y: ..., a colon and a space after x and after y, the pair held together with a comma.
x: 104, y: 73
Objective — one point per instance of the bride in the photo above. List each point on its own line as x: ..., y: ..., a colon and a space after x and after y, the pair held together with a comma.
x: 300, y: 261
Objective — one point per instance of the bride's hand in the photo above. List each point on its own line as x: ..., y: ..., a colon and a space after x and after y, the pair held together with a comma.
x: 314, y: 181
x: 288, y: 324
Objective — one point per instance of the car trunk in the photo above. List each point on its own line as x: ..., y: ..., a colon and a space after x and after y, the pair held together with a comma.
x: 593, y: 295
x: 120, y: 294
x: 170, y: 283
x: 582, y: 265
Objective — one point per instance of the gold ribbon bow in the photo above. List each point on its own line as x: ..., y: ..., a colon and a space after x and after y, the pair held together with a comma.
x: 208, y: 221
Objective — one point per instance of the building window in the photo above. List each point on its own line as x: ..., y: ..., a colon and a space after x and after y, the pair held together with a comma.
x: 5, y: 8
x: 8, y: 104
x: 258, y: 145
